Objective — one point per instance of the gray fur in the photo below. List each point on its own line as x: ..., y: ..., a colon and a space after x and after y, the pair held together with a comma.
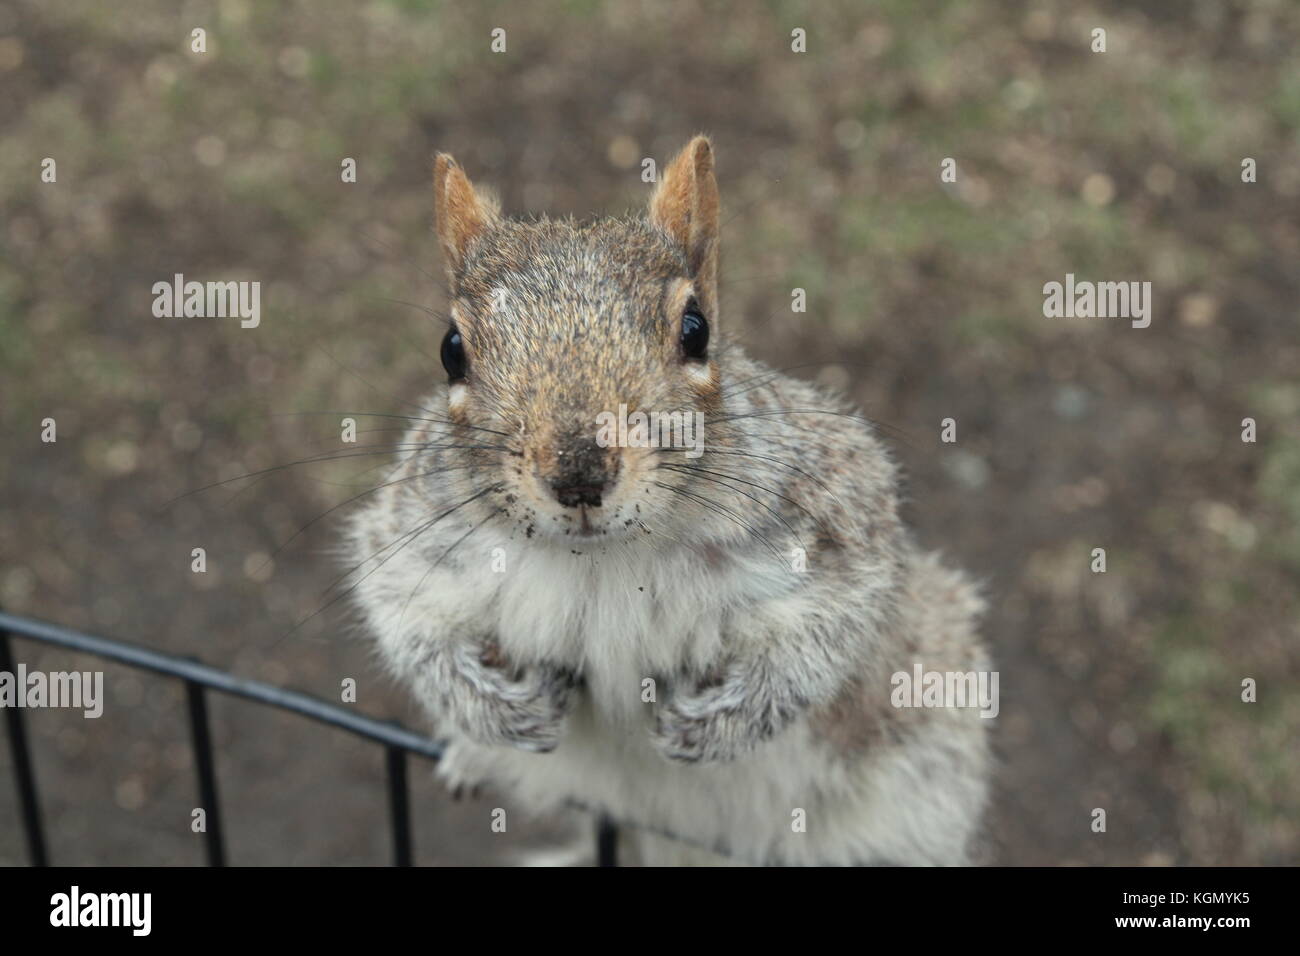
x: 772, y: 686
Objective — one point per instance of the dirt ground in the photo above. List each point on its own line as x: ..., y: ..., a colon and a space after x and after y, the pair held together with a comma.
x: 1120, y: 690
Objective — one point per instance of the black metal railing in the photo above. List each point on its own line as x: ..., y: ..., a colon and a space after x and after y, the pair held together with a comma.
x: 199, y: 678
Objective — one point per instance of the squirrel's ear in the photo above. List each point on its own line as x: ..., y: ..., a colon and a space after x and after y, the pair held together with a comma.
x: 685, y: 205
x: 459, y: 212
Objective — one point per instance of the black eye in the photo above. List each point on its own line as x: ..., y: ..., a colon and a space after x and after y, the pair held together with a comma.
x: 453, y: 355
x: 695, y: 332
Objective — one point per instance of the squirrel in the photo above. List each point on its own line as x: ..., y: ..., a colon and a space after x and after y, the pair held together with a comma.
x: 698, y: 643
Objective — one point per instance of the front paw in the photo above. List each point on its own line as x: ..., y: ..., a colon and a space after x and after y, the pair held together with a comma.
x: 719, y: 720
x: 497, y: 704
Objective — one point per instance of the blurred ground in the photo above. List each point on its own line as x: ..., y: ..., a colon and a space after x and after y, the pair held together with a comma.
x: 1118, y: 690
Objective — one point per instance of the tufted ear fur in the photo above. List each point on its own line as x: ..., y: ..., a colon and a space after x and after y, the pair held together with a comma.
x: 685, y: 206
x: 461, y: 213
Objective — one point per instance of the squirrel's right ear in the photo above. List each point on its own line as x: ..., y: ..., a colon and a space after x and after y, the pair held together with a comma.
x: 685, y: 205
x: 460, y: 213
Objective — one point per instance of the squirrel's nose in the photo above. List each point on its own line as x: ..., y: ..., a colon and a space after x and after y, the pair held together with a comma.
x: 583, y: 474
x: 572, y: 495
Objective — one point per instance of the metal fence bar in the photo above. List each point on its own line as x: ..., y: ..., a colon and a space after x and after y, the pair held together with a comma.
x: 198, y: 677
x: 24, y: 772
x: 606, y: 842
x: 207, y: 771
x: 399, y: 806
x: 142, y: 657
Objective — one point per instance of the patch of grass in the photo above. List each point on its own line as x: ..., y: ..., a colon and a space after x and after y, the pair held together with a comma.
x: 1231, y: 748
x: 1279, y: 488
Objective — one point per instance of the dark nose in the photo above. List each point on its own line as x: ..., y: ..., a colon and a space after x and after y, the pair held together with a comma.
x: 571, y: 495
x: 583, y: 473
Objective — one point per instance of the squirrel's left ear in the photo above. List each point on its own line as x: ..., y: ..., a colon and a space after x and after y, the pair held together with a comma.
x: 461, y: 214
x: 685, y: 205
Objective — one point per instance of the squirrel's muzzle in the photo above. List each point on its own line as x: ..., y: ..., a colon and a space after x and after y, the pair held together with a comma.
x: 583, y: 473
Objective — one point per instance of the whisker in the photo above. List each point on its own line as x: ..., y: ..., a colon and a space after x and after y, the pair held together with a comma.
x: 776, y: 412
x: 433, y: 567
x: 679, y: 466
x: 727, y: 512
x: 417, y: 531
x: 710, y: 450
x: 404, y: 418
x: 702, y: 474
x: 370, y: 491
x: 745, y: 208
x: 773, y: 374
x: 363, y: 380
x: 384, y: 450
x: 403, y: 254
x: 407, y: 538
x: 257, y: 481
x: 765, y: 412
x: 425, y: 309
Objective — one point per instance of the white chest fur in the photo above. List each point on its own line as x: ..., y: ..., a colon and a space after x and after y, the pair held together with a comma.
x: 622, y: 616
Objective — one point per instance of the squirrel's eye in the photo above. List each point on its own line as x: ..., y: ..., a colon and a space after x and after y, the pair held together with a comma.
x: 695, y: 332
x: 453, y: 355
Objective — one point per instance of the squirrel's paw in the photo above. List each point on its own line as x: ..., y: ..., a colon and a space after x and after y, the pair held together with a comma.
x: 494, y: 704
x: 718, y: 720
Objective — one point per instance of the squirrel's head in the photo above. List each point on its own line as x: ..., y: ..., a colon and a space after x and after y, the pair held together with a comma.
x: 562, y: 332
